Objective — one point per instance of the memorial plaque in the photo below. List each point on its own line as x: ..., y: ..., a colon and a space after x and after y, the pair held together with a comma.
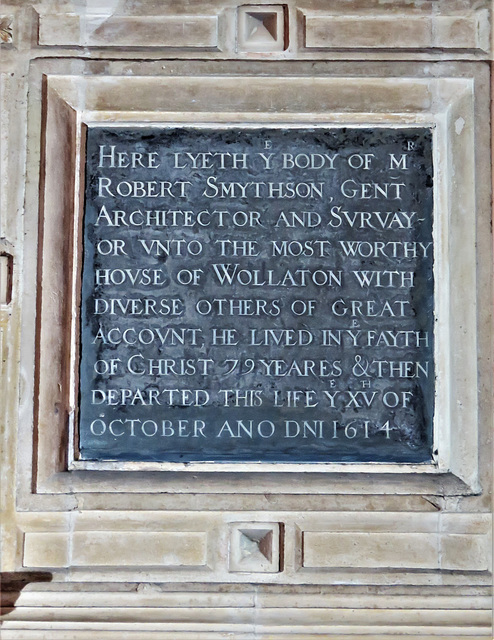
x: 257, y: 294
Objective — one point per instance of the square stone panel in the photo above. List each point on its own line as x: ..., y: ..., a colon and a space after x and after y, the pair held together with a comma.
x: 261, y: 28
x: 255, y: 547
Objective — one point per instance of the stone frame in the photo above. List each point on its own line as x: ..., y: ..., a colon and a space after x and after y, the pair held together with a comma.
x: 73, y: 101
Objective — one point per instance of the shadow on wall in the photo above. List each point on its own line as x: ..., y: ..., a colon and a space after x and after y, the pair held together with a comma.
x: 12, y: 583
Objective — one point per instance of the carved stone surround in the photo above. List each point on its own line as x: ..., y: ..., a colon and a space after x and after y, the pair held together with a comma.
x: 98, y: 552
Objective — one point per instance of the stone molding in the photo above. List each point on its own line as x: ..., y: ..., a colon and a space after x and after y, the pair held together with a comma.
x: 346, y: 547
x: 73, y: 102
x: 313, y: 29
x: 253, y: 612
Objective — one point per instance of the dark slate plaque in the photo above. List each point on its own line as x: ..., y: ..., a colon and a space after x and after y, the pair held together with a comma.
x: 257, y: 294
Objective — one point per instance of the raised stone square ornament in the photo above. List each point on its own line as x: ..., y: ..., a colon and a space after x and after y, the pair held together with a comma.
x: 246, y: 320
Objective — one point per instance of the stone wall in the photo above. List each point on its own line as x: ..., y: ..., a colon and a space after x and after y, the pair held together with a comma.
x: 144, y: 550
